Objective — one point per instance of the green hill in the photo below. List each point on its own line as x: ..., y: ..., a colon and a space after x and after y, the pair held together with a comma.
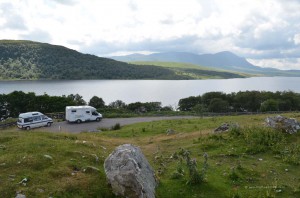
x: 28, y: 60
x: 33, y: 60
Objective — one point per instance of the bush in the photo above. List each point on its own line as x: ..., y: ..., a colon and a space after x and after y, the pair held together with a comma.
x: 262, y: 139
x: 195, y: 177
x: 291, y: 154
x: 117, y: 126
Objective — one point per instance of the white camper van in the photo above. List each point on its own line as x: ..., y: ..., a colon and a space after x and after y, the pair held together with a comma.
x: 80, y: 114
x: 32, y: 120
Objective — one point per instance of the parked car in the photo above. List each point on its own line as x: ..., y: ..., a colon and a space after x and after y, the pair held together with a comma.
x: 31, y: 120
x: 80, y: 114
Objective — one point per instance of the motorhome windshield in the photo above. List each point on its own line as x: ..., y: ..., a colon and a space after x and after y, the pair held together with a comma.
x: 95, y: 113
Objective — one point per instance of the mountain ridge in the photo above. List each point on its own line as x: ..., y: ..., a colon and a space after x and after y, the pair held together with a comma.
x: 222, y: 60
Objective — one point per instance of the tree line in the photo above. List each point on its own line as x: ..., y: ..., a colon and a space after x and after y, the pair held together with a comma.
x: 14, y: 103
x: 243, y: 101
x: 218, y: 102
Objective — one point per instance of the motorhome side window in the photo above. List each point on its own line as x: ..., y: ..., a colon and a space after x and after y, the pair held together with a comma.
x: 28, y: 120
x: 73, y: 111
x: 36, y: 118
x: 87, y: 111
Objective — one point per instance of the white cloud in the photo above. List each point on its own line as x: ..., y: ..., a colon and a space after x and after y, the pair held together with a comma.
x: 297, y: 39
x: 284, y: 64
x: 254, y: 29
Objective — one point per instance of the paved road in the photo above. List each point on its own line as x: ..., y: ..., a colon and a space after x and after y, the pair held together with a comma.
x: 105, y: 123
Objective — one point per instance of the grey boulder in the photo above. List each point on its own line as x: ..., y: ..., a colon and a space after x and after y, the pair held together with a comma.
x: 129, y: 173
x: 289, y: 125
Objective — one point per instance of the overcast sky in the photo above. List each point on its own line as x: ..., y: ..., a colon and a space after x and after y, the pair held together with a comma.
x: 266, y: 32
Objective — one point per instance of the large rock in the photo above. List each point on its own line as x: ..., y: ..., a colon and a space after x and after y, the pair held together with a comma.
x: 289, y: 125
x: 129, y: 173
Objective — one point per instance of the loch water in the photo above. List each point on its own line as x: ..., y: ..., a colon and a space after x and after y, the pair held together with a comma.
x: 169, y: 92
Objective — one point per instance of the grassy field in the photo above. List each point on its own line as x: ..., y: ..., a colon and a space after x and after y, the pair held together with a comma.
x: 252, y: 161
x: 194, y: 71
x: 173, y: 65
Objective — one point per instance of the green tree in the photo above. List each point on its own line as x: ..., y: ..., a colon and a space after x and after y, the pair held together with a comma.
x: 167, y: 108
x: 77, y: 99
x: 186, y: 104
x: 200, y: 108
x: 218, y: 105
x: 97, y: 102
x: 20, y: 102
x: 248, y: 101
x: 269, y: 105
x: 118, y: 104
x: 207, y: 97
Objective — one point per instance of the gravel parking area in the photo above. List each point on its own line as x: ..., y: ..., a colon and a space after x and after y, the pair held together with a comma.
x: 104, y: 123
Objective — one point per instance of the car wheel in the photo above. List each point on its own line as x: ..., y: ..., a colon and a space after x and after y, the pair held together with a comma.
x: 78, y: 121
x: 49, y: 124
x: 27, y: 128
x: 98, y: 119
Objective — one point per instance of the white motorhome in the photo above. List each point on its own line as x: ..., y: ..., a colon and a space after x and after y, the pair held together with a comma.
x: 80, y: 114
x: 33, y: 120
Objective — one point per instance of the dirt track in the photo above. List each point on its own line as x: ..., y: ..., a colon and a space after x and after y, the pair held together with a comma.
x: 105, y: 123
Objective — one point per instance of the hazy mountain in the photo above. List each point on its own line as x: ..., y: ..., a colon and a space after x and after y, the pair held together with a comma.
x: 222, y: 60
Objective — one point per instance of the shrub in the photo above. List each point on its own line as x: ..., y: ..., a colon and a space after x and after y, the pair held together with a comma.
x: 117, y: 126
x: 195, y: 177
x: 291, y: 154
x: 260, y: 139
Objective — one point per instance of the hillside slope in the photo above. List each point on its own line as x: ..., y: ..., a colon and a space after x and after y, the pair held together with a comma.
x: 33, y: 60
x: 222, y: 60
x: 246, y: 161
x: 195, y: 71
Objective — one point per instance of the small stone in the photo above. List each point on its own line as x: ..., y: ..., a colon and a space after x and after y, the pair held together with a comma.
x: 170, y: 132
x: 48, y: 157
x: 91, y: 169
x: 40, y: 190
x: 260, y: 159
x: 23, y: 181
x: 286, y: 170
x: 20, y: 196
x: 103, y: 147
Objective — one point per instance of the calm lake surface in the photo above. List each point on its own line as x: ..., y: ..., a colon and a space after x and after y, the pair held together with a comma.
x: 166, y: 91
